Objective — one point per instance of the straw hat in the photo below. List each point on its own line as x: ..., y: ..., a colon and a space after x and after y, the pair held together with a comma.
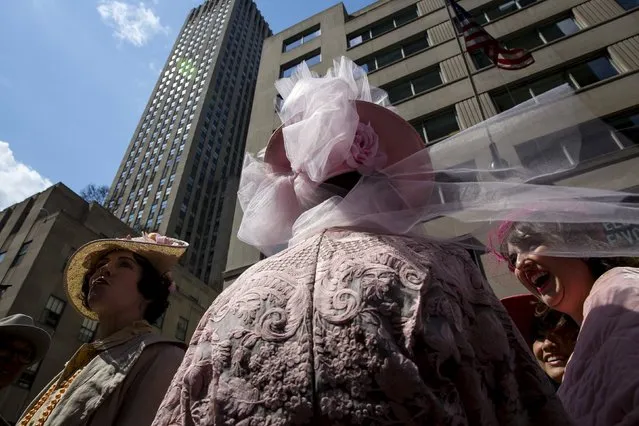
x: 162, y: 252
x: 397, y: 139
x: 23, y: 327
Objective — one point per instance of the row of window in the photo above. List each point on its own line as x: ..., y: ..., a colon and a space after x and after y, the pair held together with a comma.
x: 496, y: 11
x: 533, y: 38
x: 578, y: 76
x: 444, y: 123
x: 383, y: 26
x: 533, y: 154
x: 416, y: 84
x: 395, y: 53
x: 482, y: 16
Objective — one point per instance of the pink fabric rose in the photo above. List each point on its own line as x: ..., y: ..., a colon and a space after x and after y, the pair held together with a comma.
x: 365, y: 155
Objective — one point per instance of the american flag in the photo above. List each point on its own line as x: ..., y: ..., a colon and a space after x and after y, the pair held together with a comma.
x: 477, y: 39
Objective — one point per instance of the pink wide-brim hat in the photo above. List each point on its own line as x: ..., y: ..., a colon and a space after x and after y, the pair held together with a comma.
x: 521, y: 309
x: 397, y: 139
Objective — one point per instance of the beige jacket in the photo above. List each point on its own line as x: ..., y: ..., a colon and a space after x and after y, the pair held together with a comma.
x: 123, y: 385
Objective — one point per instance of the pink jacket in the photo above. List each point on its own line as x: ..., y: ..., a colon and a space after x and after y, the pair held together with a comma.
x: 352, y: 328
x: 601, y: 384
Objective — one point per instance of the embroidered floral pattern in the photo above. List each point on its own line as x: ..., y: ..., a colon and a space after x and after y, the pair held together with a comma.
x: 349, y: 328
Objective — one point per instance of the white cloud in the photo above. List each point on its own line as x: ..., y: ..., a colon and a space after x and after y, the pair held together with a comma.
x: 17, y: 181
x: 135, y: 24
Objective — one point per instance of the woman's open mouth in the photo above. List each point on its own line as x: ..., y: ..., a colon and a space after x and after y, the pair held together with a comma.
x: 98, y: 282
x: 540, y: 280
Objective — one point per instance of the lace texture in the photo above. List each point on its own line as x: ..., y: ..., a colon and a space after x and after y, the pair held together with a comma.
x: 351, y: 328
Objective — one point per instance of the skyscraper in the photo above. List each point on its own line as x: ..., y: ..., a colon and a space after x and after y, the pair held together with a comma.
x: 180, y: 172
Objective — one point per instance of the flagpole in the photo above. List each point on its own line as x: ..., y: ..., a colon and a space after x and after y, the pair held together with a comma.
x: 484, y: 116
x: 498, y: 162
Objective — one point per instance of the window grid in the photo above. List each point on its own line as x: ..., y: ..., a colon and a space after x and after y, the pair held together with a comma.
x: 578, y: 76
x: 88, y: 330
x: 534, y: 38
x: 500, y: 10
x: 21, y: 253
x: 303, y: 38
x: 438, y: 126
x: 383, y: 26
x: 420, y: 83
x: 395, y: 54
x: 52, y: 311
x: 181, y: 329
x: 314, y: 59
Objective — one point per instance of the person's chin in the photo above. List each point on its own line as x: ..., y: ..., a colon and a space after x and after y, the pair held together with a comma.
x: 555, y: 373
x: 96, y: 304
x: 554, y: 298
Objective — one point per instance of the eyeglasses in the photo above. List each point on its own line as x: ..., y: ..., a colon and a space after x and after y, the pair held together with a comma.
x: 25, y: 356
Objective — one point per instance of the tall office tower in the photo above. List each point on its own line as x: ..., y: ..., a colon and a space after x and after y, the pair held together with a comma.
x: 180, y: 172
x: 410, y: 48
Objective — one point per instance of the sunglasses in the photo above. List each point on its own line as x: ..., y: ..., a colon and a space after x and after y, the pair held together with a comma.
x: 23, y: 355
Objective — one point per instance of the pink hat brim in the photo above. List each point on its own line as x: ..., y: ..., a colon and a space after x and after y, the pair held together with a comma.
x: 397, y: 139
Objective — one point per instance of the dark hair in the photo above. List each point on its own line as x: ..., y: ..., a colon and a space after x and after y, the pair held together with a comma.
x: 548, y: 320
x: 152, y: 286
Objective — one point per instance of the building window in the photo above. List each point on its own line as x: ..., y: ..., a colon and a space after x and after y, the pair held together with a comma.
x: 28, y: 376
x: 537, y: 154
x: 302, y: 38
x: 626, y: 124
x: 383, y: 26
x: 395, y: 53
x: 438, y: 126
x: 160, y: 321
x: 23, y: 250
x: 544, y: 35
x: 628, y: 4
x: 87, y: 330
x: 532, y: 39
x: 182, y: 327
x: 621, y: 133
x: 499, y: 10
x: 52, y: 311
x: 578, y: 76
x: 480, y: 60
x: 3, y: 254
x: 313, y: 59
x: 419, y: 83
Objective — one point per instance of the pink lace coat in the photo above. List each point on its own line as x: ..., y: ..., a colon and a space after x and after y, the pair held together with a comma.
x: 351, y: 328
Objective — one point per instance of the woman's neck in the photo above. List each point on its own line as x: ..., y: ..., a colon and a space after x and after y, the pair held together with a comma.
x: 110, y: 324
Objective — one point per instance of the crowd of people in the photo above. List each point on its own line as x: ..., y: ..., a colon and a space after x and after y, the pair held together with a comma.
x: 360, y: 315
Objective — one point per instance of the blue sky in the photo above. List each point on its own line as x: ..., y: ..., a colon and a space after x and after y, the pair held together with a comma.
x: 75, y: 77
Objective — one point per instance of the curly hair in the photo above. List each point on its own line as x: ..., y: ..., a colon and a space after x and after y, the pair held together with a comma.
x: 152, y: 286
